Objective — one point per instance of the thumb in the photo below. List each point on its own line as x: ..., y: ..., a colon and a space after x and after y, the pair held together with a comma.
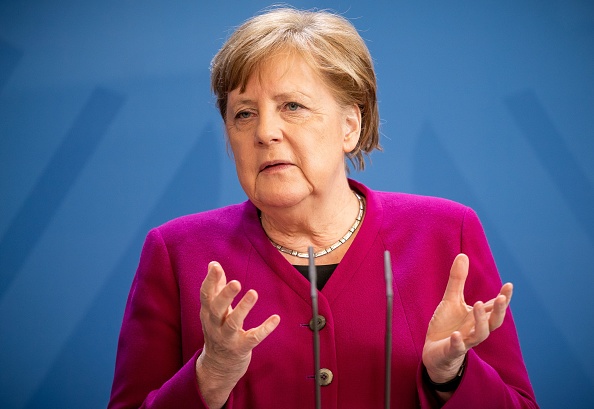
x: 458, y: 273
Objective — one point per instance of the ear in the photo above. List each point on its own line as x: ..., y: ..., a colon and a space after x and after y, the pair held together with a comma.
x: 352, y: 127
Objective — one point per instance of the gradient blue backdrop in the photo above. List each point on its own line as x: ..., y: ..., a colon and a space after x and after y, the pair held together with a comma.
x: 107, y: 128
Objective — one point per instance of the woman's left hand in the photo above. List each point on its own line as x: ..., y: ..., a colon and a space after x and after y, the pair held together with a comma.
x: 456, y: 327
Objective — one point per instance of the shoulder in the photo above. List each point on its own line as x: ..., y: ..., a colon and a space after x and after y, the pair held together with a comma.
x: 414, y: 214
x: 205, y: 225
x: 424, y: 215
x: 419, y: 205
x: 409, y: 205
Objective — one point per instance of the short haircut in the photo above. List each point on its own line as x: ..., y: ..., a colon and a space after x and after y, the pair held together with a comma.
x: 327, y: 41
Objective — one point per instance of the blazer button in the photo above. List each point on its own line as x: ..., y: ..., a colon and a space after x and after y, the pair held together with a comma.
x: 320, y: 322
x: 325, y: 377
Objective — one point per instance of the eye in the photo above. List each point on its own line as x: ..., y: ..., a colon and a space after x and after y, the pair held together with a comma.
x: 243, y: 115
x: 293, y: 106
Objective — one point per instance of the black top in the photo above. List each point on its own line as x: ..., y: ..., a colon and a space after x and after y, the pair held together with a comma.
x: 323, y: 273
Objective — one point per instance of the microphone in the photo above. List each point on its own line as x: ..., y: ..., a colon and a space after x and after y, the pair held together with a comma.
x: 388, y: 340
x: 316, y: 341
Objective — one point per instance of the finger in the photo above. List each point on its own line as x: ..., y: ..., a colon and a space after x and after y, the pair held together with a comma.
x: 458, y: 273
x: 220, y: 306
x: 234, y: 321
x: 256, y: 335
x: 457, y: 346
x: 481, y: 325
x: 213, y: 282
x: 498, y: 313
x: 506, y: 292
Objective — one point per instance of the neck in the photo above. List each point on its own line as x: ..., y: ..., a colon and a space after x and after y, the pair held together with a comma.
x: 317, y: 221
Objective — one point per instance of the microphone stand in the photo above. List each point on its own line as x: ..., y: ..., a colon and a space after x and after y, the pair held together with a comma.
x: 388, y: 341
x: 314, y: 306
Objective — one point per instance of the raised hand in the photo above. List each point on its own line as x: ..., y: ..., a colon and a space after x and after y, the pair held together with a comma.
x: 456, y: 327
x: 227, y: 346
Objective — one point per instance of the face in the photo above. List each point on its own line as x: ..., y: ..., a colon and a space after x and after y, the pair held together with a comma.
x: 288, y: 134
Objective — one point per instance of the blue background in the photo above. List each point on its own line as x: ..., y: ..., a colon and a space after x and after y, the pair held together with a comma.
x: 107, y: 128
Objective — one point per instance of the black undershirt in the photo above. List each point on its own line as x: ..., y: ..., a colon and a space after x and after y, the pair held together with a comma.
x: 323, y: 273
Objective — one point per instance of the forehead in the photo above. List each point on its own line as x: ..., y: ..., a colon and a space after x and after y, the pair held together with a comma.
x: 284, y: 70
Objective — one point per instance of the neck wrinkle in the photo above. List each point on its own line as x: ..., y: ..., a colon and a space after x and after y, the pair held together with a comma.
x: 320, y: 231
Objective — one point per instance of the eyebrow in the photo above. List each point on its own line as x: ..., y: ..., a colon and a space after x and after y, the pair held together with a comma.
x: 283, y: 96
x: 244, y: 101
x: 290, y: 95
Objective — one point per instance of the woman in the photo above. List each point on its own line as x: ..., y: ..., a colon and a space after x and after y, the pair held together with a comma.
x: 297, y: 93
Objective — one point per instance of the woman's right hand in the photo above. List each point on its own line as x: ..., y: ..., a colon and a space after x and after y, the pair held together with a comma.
x: 227, y: 346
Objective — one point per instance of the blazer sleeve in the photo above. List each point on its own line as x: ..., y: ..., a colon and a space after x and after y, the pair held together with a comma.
x: 149, y: 371
x: 495, y: 375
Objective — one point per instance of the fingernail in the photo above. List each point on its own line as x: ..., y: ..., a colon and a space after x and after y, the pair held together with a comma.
x: 273, y: 323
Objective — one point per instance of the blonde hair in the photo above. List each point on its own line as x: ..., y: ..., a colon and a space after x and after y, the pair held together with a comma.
x: 330, y: 44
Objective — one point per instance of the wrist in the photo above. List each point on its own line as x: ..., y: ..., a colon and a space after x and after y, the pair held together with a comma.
x: 214, y: 385
x: 445, y: 383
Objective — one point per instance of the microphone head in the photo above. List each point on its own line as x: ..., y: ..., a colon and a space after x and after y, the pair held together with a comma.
x: 313, y: 276
x: 388, y: 273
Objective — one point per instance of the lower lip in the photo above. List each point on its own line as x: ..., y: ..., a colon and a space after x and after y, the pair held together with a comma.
x: 275, y: 168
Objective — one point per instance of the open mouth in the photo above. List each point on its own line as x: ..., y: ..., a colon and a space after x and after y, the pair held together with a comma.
x: 270, y: 166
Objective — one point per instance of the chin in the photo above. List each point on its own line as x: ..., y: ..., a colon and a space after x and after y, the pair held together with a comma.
x: 278, y: 201
x: 278, y: 191
x: 279, y: 197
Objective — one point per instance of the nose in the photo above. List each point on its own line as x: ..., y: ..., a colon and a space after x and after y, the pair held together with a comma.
x: 268, y: 129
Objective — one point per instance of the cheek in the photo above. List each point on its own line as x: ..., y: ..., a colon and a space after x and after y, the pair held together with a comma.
x: 236, y: 146
x: 245, y: 176
x: 241, y: 162
x: 244, y: 158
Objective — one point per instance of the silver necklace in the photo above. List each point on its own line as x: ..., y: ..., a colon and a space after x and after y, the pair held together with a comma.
x: 333, y: 247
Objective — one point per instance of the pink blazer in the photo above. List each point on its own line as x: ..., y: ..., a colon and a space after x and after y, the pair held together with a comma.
x: 161, y: 334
